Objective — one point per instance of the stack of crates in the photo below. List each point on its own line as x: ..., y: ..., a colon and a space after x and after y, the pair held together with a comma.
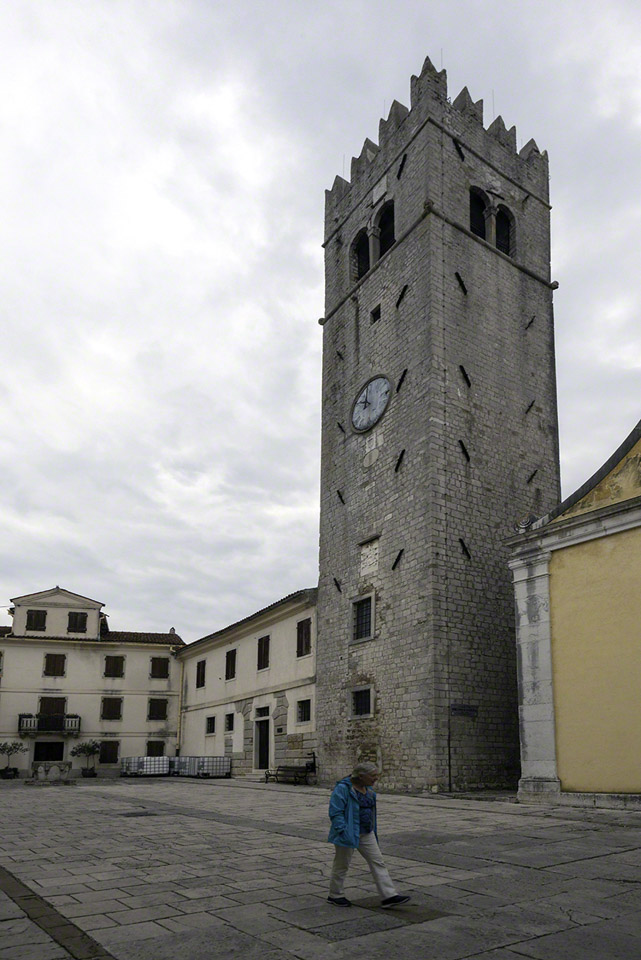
x: 175, y: 767
x: 201, y: 766
x: 144, y: 767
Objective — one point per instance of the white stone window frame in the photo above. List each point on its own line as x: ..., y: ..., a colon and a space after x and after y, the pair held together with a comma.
x: 38, y: 630
x: 53, y: 676
x: 363, y: 596
x: 372, y: 702
x: 164, y: 719
x: 268, y: 647
x: 160, y: 656
x: 303, y: 656
x: 200, y: 686
x: 210, y: 733
x: 229, y: 729
x: 109, y: 763
x: 124, y: 666
x: 300, y: 722
x: 112, y: 719
x: 231, y: 679
x: 77, y: 613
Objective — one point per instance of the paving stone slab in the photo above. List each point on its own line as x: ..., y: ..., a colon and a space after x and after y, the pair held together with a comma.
x: 447, y: 938
x: 157, y: 912
x: 130, y: 932
x: 418, y: 910
x: 41, y: 951
x: 595, y: 942
x: 359, y: 927
x: 194, y: 921
x: 200, y: 945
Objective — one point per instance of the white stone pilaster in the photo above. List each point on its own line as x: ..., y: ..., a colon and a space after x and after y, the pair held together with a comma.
x: 539, y: 778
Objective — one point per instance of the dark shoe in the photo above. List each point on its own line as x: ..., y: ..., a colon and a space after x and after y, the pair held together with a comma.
x: 340, y: 901
x: 395, y: 901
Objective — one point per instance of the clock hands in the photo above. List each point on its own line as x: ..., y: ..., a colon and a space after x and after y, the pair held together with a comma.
x: 365, y: 402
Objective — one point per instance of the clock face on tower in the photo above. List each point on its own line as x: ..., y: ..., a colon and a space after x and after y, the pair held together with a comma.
x: 371, y: 403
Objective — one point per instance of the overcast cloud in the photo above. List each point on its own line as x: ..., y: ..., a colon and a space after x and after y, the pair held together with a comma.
x: 163, y: 167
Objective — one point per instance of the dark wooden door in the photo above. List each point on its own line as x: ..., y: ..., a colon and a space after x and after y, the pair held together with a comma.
x: 262, y: 732
x: 51, y: 715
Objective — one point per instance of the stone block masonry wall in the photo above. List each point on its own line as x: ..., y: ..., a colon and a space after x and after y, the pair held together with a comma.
x: 288, y: 748
x: 467, y: 445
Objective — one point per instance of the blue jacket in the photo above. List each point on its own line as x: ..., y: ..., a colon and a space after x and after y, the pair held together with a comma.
x: 344, y: 812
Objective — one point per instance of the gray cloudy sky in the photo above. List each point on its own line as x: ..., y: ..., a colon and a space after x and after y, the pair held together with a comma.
x: 163, y: 167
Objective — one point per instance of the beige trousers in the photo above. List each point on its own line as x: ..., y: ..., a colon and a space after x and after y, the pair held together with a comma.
x: 369, y: 849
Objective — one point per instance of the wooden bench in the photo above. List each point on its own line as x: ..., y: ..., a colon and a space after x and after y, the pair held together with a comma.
x: 292, y: 773
x: 287, y: 774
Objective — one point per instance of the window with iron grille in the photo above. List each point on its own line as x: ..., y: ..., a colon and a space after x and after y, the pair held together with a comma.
x: 229, y: 722
x: 201, y: 666
x: 304, y: 711
x: 210, y: 725
x: 77, y: 622
x: 362, y: 626
x: 109, y: 750
x: 304, y: 637
x: 263, y: 653
x: 36, y: 619
x: 159, y: 668
x: 111, y: 708
x: 230, y: 665
x: 157, y: 709
x: 362, y: 702
x: 155, y: 748
x: 55, y: 664
x: 262, y: 711
x: 114, y: 666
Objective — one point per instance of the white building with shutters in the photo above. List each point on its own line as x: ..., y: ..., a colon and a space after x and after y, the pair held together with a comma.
x: 249, y: 689
x: 65, y: 678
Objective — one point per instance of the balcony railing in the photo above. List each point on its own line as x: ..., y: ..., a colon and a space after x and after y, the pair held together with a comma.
x: 31, y: 724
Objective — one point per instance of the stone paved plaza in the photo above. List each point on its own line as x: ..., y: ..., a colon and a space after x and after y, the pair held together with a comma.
x: 168, y: 869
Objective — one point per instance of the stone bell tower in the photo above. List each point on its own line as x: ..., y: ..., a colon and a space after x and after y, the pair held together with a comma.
x: 439, y: 432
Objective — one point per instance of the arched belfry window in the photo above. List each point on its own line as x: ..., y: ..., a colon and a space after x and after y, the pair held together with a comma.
x: 386, y: 228
x: 477, y: 213
x: 360, y: 255
x: 504, y: 231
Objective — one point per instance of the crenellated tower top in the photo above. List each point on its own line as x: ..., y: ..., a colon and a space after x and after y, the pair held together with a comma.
x: 461, y: 120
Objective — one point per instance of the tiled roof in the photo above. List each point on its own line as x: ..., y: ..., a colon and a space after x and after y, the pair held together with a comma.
x: 299, y: 596
x: 126, y: 636
x: 112, y: 636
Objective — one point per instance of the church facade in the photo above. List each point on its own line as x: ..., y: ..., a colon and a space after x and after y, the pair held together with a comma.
x: 578, y: 609
x: 439, y: 430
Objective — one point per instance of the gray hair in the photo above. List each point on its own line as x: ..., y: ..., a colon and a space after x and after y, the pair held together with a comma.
x: 364, y: 769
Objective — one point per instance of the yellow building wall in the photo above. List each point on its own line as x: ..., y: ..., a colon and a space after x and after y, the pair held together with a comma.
x: 595, y: 609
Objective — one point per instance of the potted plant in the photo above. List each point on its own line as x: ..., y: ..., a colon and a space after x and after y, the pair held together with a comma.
x: 89, y: 750
x: 7, y: 749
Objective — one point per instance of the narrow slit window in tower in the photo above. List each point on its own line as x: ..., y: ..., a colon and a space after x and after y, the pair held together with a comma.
x: 477, y: 214
x: 360, y: 255
x: 503, y: 232
x: 386, y: 227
